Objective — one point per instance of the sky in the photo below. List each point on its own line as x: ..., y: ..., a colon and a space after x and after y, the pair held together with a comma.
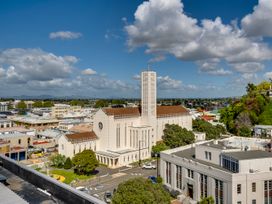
x: 98, y: 48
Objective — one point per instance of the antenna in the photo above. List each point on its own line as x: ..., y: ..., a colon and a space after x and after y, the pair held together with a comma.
x: 148, y: 67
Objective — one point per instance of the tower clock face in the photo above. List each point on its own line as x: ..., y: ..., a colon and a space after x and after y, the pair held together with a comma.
x: 100, y: 125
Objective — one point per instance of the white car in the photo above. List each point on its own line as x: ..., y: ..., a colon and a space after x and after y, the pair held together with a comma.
x: 149, y: 166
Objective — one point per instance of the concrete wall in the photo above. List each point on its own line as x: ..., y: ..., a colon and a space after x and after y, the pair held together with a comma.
x: 59, y: 190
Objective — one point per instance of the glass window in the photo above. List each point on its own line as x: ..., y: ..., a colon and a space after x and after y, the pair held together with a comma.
x: 239, y: 188
x: 254, y: 187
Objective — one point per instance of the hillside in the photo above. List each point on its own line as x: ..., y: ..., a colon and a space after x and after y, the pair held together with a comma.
x: 253, y: 108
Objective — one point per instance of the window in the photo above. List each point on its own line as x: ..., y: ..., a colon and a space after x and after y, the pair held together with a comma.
x: 254, y: 201
x: 210, y: 156
x: 239, y: 202
x: 190, y: 173
x: 230, y: 163
x: 19, y: 141
x: 254, y: 187
x: 168, y: 173
x: 179, y: 177
x: 219, y: 193
x: 239, y: 188
x: 268, y: 191
x: 203, y: 186
x: 206, y: 154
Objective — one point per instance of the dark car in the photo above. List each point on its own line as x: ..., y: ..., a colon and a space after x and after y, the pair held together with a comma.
x: 108, y: 196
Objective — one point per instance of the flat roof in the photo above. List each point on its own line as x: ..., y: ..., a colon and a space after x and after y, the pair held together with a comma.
x: 190, y: 155
x: 246, y: 155
x: 9, y: 197
x: 219, y: 145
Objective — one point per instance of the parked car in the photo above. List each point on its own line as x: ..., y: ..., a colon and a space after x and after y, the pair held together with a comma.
x: 149, y: 166
x: 153, y: 179
x: 108, y: 196
x: 83, y: 189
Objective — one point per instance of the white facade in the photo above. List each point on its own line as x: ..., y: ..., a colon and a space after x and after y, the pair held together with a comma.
x: 70, y: 148
x: 220, y: 169
x: 3, y: 106
x: 126, y: 135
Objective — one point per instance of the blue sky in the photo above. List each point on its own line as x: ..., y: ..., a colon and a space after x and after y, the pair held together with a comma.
x: 98, y: 48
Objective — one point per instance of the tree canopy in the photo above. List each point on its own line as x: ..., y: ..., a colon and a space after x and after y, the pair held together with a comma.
x: 207, y: 200
x: 57, y: 160
x: 160, y: 146
x: 101, y: 104
x: 140, y: 190
x: 253, y: 108
x: 22, y: 107
x: 176, y: 136
x: 212, y: 132
x: 85, y: 162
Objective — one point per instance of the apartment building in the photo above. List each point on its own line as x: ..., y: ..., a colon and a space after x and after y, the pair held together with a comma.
x: 61, y: 110
x: 233, y: 171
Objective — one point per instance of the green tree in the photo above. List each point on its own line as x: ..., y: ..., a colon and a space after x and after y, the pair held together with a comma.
x: 68, y: 163
x: 212, y: 132
x: 57, y: 160
x: 160, y: 146
x: 85, y: 162
x: 48, y: 104
x: 76, y: 103
x: 101, y: 104
x: 207, y: 200
x: 21, y: 107
x: 38, y: 104
x: 140, y: 190
x: 176, y: 136
x: 244, y: 131
x: 266, y: 117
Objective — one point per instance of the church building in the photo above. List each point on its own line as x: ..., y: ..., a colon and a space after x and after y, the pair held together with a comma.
x: 126, y: 135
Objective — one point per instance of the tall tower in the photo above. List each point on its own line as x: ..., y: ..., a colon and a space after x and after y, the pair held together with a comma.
x: 149, y: 96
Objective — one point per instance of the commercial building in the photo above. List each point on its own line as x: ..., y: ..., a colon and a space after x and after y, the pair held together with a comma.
x: 63, y: 110
x: 15, y: 145
x: 235, y: 170
x: 5, y: 123
x: 37, y: 123
x: 4, y: 106
x: 263, y: 131
x: 126, y: 135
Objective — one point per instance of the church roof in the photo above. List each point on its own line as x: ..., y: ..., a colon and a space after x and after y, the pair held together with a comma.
x: 167, y: 111
x: 162, y: 111
x: 81, y: 137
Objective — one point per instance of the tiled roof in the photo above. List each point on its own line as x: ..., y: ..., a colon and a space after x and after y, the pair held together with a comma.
x: 123, y: 112
x: 81, y: 137
x: 162, y: 111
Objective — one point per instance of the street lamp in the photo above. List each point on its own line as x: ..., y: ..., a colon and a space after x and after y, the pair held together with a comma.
x: 157, y: 157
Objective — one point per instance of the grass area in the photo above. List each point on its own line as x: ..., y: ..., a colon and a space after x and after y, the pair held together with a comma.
x: 69, y: 175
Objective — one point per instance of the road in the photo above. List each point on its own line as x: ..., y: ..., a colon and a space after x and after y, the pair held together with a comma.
x: 113, y: 177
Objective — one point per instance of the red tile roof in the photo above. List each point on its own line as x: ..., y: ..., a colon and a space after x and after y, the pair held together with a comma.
x: 81, y: 137
x: 162, y: 111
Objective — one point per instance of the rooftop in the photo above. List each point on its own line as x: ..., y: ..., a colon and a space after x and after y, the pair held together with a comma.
x: 81, y: 137
x: 162, y: 111
x: 246, y: 155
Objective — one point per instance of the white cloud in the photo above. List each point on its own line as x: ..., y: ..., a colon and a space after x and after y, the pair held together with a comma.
x: 65, y: 35
x: 163, y: 27
x: 259, y: 23
x: 268, y: 75
x: 23, y: 65
x: 88, y: 71
x: 248, y: 67
x: 167, y: 82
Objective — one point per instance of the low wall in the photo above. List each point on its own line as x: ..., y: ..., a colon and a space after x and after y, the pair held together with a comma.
x: 59, y: 190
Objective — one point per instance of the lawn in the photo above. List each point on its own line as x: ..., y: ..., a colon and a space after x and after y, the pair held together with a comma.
x: 69, y: 175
